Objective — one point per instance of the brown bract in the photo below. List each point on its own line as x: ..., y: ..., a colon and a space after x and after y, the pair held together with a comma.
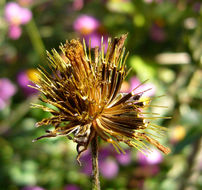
x: 83, y: 90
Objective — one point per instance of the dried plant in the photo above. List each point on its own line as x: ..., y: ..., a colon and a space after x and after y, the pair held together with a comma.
x: 83, y: 90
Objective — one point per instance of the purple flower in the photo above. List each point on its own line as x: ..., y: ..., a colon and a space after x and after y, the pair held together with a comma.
x: 152, y: 158
x: 33, y: 188
x: 124, y: 159
x: 23, y: 79
x: 14, y: 32
x: 71, y: 187
x: 157, y: 33
x: 109, y: 168
x: 86, y: 160
x: 7, y: 90
x: 104, y: 153
x: 86, y: 24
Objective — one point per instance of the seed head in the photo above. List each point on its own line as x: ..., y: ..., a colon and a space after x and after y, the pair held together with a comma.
x: 83, y: 90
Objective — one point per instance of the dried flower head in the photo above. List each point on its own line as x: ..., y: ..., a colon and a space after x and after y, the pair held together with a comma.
x: 84, y: 91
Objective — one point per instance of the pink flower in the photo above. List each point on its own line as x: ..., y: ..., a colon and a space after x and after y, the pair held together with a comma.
x: 14, y: 32
x: 86, y: 24
x: 152, y: 158
x: 134, y: 82
x: 17, y: 15
x: 124, y: 159
x: 7, y: 90
x: 109, y: 168
x: 95, y: 40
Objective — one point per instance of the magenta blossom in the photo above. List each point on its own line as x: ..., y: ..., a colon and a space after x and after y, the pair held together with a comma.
x: 152, y: 158
x: 7, y: 90
x: 85, y: 24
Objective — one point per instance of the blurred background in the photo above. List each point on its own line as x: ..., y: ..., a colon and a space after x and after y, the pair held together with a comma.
x: 165, y: 45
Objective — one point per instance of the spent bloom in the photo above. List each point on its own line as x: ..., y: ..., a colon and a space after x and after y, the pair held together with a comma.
x: 85, y: 98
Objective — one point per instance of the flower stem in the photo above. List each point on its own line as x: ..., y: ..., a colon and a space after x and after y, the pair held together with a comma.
x: 36, y: 40
x: 94, y: 149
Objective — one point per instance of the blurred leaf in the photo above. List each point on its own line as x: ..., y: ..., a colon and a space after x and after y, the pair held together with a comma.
x: 192, y: 136
x: 143, y: 69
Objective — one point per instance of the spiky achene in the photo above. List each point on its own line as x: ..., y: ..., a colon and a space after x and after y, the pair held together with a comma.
x: 84, y: 91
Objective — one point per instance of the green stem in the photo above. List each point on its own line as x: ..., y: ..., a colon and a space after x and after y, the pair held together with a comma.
x: 36, y: 40
x: 94, y: 149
